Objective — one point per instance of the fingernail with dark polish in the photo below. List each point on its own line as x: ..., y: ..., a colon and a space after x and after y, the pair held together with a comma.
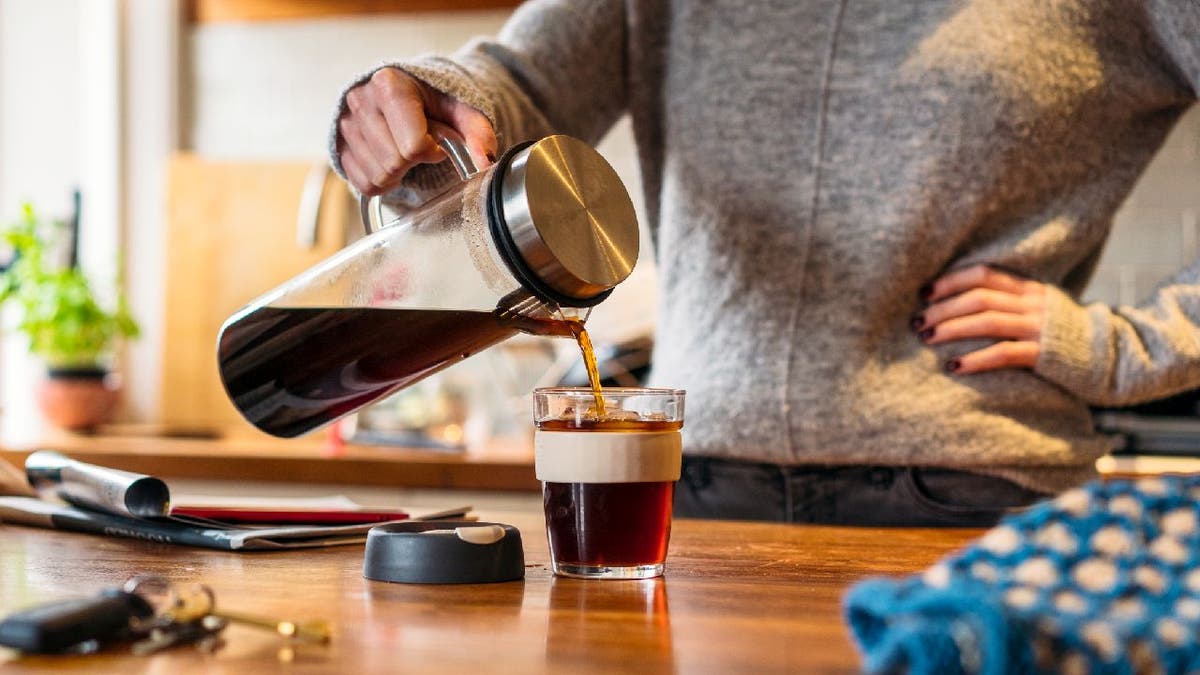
x: 926, y: 291
x: 953, y: 365
x: 918, y: 321
x: 926, y: 334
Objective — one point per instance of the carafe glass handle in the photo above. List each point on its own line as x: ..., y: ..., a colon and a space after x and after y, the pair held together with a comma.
x: 370, y: 209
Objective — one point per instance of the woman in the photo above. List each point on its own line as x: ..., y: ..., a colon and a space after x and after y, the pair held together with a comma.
x: 872, y: 221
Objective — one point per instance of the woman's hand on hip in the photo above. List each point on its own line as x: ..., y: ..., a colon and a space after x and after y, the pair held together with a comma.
x: 384, y: 131
x: 980, y: 303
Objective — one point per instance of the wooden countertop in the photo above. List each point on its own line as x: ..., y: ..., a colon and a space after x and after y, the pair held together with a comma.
x: 737, y: 598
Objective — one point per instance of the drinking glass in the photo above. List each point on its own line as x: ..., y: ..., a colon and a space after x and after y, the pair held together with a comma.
x: 608, y: 480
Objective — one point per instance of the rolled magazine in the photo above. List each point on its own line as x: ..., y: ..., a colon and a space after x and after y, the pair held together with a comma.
x: 96, y: 487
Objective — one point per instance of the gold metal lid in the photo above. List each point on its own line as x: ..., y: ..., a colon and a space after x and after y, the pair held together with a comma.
x: 570, y: 217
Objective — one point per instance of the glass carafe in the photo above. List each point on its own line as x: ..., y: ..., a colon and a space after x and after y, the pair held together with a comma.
x: 525, y: 245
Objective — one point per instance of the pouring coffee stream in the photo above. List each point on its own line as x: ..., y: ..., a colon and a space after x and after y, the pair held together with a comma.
x: 589, y: 363
x: 524, y: 246
x: 521, y: 307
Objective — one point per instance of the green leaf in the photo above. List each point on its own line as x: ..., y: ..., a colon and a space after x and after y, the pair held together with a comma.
x: 59, y: 313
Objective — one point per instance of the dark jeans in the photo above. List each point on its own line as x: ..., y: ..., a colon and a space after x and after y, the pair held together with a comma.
x: 844, y: 495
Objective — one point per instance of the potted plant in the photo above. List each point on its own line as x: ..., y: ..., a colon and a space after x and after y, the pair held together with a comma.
x: 67, y: 326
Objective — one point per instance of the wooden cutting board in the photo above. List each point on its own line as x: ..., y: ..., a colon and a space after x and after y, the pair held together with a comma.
x: 232, y: 235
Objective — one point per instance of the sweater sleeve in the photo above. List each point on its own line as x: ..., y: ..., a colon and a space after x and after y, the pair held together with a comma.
x: 557, y: 66
x: 1116, y: 356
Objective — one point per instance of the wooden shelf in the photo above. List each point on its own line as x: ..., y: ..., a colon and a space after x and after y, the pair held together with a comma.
x: 308, y: 460
x: 221, y: 11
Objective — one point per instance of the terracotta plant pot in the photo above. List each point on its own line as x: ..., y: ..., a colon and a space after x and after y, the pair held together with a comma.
x: 78, y: 398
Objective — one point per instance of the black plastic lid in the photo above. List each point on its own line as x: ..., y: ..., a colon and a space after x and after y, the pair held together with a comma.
x: 444, y: 552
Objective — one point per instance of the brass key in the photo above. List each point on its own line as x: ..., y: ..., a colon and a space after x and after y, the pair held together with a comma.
x: 196, y: 602
x: 316, y: 632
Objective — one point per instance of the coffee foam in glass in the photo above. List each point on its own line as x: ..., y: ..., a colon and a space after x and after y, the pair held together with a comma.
x: 607, y: 456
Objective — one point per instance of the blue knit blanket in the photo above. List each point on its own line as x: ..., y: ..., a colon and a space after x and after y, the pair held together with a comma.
x: 1102, y: 579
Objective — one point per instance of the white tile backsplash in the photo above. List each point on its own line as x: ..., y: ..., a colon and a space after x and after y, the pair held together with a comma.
x: 1155, y: 232
x: 266, y: 90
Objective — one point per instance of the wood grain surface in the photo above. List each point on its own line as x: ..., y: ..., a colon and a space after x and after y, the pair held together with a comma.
x: 737, y: 598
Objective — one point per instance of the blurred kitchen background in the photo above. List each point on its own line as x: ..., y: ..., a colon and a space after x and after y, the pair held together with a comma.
x: 196, y: 132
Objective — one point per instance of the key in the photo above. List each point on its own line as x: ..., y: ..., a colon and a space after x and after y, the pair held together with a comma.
x: 316, y: 632
x: 195, y: 602
x: 186, y: 604
x: 204, y: 633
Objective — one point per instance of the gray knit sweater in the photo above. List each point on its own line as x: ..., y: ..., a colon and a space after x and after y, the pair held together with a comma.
x: 809, y: 165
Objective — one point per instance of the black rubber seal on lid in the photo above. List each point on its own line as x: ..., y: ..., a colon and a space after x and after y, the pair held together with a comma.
x: 431, y: 552
x: 508, y: 248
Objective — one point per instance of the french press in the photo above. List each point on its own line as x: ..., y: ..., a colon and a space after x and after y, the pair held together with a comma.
x: 522, y: 246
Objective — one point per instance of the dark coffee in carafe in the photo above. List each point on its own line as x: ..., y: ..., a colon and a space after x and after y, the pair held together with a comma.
x: 293, y: 369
